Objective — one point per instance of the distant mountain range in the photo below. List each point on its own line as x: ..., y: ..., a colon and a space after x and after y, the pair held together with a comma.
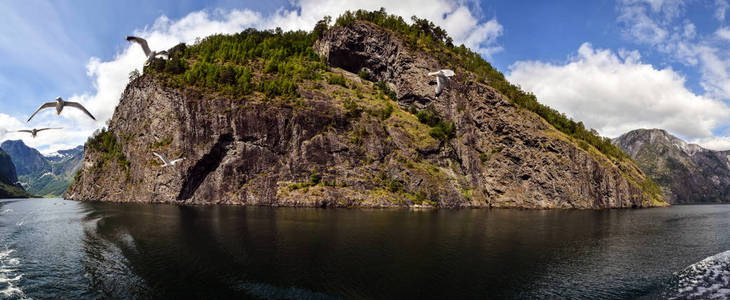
x: 46, y: 176
x: 687, y: 173
x: 9, y: 188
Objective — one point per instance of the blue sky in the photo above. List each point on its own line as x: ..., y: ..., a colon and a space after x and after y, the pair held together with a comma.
x: 615, y: 65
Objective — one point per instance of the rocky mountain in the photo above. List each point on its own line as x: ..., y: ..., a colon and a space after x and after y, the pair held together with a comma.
x: 41, y: 175
x: 687, y: 173
x: 347, y: 116
x: 9, y: 186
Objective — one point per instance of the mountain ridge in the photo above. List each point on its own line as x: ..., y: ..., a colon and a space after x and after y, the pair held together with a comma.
x: 42, y: 175
x: 687, y: 173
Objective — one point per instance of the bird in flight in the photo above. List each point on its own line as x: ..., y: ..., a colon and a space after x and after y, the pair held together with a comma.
x: 165, y: 162
x: 441, y: 78
x: 59, y: 105
x: 33, y: 132
x: 147, y: 52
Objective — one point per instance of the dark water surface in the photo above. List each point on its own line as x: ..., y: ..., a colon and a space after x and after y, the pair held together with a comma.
x: 52, y: 248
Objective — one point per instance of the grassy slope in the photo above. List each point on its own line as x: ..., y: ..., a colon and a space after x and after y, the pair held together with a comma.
x: 9, y: 191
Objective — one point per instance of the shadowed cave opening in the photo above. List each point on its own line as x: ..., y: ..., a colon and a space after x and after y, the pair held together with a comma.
x: 207, y: 164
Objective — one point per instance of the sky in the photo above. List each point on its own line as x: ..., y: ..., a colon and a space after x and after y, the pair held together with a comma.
x: 614, y: 65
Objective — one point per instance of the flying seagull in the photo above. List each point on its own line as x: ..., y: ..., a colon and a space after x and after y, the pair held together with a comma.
x: 441, y: 77
x: 147, y: 52
x: 59, y: 105
x: 33, y: 132
x: 167, y: 163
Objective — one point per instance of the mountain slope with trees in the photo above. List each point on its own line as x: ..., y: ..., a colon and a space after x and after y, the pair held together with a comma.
x: 346, y: 115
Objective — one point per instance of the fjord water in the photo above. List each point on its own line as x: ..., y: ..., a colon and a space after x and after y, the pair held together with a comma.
x: 52, y: 248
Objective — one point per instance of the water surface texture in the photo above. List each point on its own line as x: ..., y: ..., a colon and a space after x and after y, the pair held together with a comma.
x: 67, y: 249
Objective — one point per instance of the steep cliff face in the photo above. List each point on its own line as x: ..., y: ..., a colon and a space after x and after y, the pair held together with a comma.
x: 687, y: 173
x: 7, y: 168
x: 346, y: 143
x: 9, y: 188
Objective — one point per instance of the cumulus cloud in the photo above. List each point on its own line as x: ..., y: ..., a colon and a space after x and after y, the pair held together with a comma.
x: 110, y: 77
x: 614, y: 94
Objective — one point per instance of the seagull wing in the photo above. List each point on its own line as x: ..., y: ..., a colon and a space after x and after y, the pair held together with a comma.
x: 447, y: 72
x: 162, y: 157
x: 142, y: 42
x: 81, y: 107
x: 176, y: 161
x: 39, y: 130
x: 28, y: 131
x: 433, y: 73
x: 44, y: 106
x: 164, y: 54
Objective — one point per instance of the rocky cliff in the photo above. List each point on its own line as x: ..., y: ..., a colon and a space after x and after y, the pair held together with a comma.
x: 380, y: 139
x: 41, y: 175
x: 687, y: 173
x: 9, y: 187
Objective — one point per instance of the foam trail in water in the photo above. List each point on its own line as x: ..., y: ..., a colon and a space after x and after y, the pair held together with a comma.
x: 7, y: 276
x: 706, y: 279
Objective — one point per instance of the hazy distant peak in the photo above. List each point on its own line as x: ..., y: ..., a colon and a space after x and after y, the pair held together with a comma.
x: 634, y: 139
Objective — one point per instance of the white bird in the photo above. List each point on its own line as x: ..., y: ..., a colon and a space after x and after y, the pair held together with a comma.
x: 33, y: 132
x: 441, y: 78
x: 59, y: 105
x: 167, y: 163
x: 147, y: 52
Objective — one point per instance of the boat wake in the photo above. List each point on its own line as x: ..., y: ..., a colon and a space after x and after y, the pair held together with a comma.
x: 706, y: 279
x: 9, y: 276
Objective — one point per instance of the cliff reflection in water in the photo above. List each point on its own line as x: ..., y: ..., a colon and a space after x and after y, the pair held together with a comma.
x: 171, y: 251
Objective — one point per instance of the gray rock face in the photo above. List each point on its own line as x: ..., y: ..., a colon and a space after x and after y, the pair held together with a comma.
x: 687, y: 173
x: 7, y: 169
x: 27, y: 160
x: 9, y: 188
x: 252, y: 152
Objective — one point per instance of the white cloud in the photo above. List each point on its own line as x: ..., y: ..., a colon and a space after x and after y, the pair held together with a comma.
x: 719, y: 143
x: 655, y: 23
x: 615, y: 95
x: 45, y: 141
x: 722, y: 6
x: 723, y: 33
x: 715, y: 69
x: 9, y: 124
x: 641, y: 27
